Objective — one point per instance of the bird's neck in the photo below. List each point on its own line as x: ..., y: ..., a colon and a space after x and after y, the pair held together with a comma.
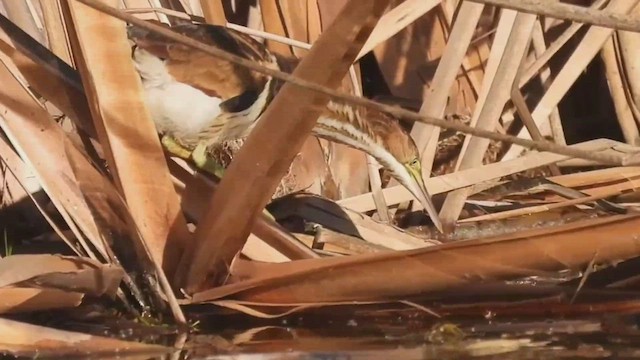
x: 343, y: 125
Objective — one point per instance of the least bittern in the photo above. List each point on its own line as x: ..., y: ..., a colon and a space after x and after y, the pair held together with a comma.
x: 197, y: 100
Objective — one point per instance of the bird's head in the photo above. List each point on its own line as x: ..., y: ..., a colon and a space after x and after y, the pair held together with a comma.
x: 381, y: 136
x: 404, y: 150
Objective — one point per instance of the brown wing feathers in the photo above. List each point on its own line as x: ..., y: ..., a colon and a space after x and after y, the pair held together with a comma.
x: 240, y: 86
x: 213, y: 76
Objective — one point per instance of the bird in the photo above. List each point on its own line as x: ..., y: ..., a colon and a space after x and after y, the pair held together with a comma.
x: 197, y: 100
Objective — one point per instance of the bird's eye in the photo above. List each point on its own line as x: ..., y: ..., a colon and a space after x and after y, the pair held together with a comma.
x: 415, y: 162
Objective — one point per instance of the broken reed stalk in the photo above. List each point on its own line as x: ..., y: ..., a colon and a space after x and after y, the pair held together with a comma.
x: 213, y: 11
x: 114, y: 85
x: 542, y: 60
x: 619, y: 90
x: 593, y: 40
x: 558, y: 10
x: 525, y: 115
x: 435, y: 98
x: 358, y: 101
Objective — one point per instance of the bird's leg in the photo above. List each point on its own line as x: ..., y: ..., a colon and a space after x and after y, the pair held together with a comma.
x: 174, y: 148
x: 204, y: 162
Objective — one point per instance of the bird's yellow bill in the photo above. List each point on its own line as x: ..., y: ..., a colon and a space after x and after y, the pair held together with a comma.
x: 423, y: 196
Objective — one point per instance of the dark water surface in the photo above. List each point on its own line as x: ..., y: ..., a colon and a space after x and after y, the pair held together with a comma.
x: 370, y: 334
x: 604, y: 337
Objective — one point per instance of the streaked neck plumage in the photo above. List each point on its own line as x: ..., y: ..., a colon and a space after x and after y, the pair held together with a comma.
x: 341, y: 123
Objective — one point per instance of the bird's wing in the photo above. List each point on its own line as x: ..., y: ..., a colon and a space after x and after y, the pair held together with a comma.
x: 212, y: 75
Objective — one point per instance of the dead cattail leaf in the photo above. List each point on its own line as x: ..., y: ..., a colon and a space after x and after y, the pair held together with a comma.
x: 56, y: 32
x: 125, y: 130
x: 367, y: 277
x: 37, y: 136
x: 53, y: 281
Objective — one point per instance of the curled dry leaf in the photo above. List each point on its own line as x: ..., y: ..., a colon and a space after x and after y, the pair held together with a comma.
x: 28, y: 340
x: 53, y: 281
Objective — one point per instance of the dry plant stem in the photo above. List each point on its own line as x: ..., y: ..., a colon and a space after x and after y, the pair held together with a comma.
x: 213, y: 11
x: 465, y: 178
x: 498, y: 46
x: 555, y: 9
x: 396, y: 20
x: 7, y: 154
x: 437, y: 268
x: 337, y: 96
x: 488, y: 115
x: 48, y: 75
x: 475, y: 80
x: 147, y: 3
x: 435, y: 98
x: 46, y: 175
x: 56, y: 32
x: 274, y: 25
x: 132, y: 148
x: 542, y: 60
x: 527, y: 119
x: 590, y: 268
x: 296, y: 19
x: 192, y: 7
x: 617, y: 88
x: 169, y: 12
x: 390, y: 24
x: 194, y: 204
x: 630, y: 52
x: 539, y: 47
x: 54, y: 169
x: 538, y: 208
x: 75, y: 210
x: 260, y: 164
x: 19, y: 13
x: 588, y: 48
x: 373, y: 167
x: 375, y: 182
x: 269, y: 36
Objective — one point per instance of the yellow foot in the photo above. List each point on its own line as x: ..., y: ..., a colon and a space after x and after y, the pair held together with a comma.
x: 174, y: 148
x: 204, y: 162
x: 268, y: 215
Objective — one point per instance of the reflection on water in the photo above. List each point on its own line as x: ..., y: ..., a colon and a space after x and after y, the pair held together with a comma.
x: 375, y: 334
x: 560, y: 339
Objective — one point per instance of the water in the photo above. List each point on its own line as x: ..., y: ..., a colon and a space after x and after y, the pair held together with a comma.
x: 404, y: 338
x: 362, y: 332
